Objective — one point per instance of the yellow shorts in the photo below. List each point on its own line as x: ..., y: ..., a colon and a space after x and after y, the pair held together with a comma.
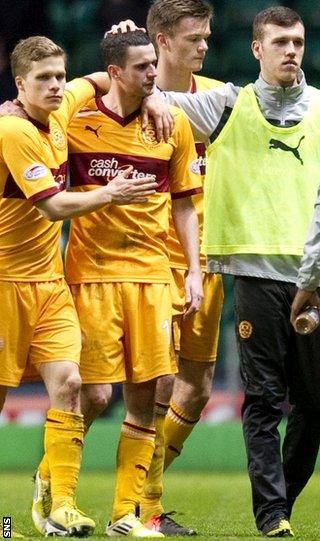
x: 196, y: 337
x: 38, y: 324
x: 126, y: 331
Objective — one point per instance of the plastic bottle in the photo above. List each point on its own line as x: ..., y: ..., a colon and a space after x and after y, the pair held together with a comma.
x: 307, y: 321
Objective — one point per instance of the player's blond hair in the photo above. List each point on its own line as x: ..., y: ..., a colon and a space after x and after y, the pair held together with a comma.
x: 164, y: 15
x: 32, y: 49
x: 277, y: 15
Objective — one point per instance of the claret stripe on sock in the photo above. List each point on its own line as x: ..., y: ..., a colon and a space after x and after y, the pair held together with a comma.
x: 161, y: 409
x: 139, y: 427
x: 174, y: 450
x: 138, y: 431
x: 178, y: 418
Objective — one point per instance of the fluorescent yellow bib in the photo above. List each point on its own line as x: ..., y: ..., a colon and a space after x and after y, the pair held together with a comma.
x: 261, y: 182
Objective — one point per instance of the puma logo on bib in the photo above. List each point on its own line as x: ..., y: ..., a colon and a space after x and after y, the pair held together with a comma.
x: 275, y: 143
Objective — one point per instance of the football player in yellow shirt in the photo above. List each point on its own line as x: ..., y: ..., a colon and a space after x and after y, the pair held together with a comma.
x: 39, y: 328
x: 179, y: 30
x: 117, y: 262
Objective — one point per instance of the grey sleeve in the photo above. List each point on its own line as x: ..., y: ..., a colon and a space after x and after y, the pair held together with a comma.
x: 204, y: 109
x: 309, y: 272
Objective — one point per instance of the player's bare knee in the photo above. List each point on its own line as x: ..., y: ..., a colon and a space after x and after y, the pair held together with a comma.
x: 164, y: 389
x: 72, y: 384
x: 192, y: 396
x: 195, y: 403
x: 96, y: 397
x: 203, y: 397
x: 205, y: 390
x: 99, y: 401
x: 139, y: 399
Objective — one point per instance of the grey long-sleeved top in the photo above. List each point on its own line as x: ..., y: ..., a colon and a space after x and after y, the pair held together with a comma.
x: 309, y: 273
x: 208, y: 112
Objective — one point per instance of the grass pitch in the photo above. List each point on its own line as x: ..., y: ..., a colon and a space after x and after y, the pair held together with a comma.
x: 218, y: 506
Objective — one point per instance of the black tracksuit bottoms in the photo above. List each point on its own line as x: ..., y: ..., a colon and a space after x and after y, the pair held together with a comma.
x: 275, y: 362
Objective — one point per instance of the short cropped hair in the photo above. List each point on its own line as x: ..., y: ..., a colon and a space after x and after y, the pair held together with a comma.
x: 164, y: 15
x: 278, y: 15
x: 30, y: 50
x: 114, y: 47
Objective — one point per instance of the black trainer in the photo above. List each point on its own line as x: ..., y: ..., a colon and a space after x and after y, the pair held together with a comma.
x: 278, y: 528
x: 166, y: 525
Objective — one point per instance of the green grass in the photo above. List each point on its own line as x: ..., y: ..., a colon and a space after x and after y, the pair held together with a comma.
x: 217, y: 505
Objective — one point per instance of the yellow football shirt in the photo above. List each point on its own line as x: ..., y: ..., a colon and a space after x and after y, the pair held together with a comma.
x: 126, y: 243
x: 33, y: 166
x: 177, y: 259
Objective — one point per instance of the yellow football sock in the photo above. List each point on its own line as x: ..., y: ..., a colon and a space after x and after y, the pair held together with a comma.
x: 135, y: 450
x: 44, y: 469
x: 63, y: 449
x: 177, y: 427
x: 150, y: 503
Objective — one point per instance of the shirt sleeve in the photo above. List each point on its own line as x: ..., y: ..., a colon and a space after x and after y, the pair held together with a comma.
x: 23, y: 153
x: 309, y: 272
x: 185, y: 178
x: 77, y: 93
x: 204, y: 109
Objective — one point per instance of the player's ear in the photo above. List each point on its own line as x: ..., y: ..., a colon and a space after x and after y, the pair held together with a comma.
x: 256, y: 49
x: 19, y: 82
x: 162, y: 40
x: 114, y: 71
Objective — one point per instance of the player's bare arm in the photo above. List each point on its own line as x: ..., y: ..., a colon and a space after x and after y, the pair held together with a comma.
x: 119, y: 191
x: 186, y: 224
x: 155, y: 107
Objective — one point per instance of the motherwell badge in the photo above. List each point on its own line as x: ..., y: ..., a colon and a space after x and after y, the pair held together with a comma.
x: 148, y: 136
x: 57, y: 137
x: 245, y: 329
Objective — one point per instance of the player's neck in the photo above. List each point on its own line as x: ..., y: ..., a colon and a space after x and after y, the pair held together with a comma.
x: 35, y: 113
x: 120, y: 103
x: 173, y: 77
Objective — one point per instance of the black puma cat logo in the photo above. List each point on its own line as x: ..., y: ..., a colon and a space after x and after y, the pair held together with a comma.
x: 274, y: 143
x: 95, y: 131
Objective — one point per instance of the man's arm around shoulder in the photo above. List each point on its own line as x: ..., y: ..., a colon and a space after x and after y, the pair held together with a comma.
x: 119, y: 191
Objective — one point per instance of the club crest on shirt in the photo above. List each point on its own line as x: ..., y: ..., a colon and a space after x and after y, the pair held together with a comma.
x: 245, y: 329
x: 58, y: 139
x: 148, y: 136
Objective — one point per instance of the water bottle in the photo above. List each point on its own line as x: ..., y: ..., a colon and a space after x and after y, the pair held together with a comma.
x: 307, y: 321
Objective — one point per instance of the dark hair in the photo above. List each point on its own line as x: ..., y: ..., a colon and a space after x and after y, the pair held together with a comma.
x: 164, y: 15
x: 278, y: 15
x: 114, y: 47
x: 30, y: 50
